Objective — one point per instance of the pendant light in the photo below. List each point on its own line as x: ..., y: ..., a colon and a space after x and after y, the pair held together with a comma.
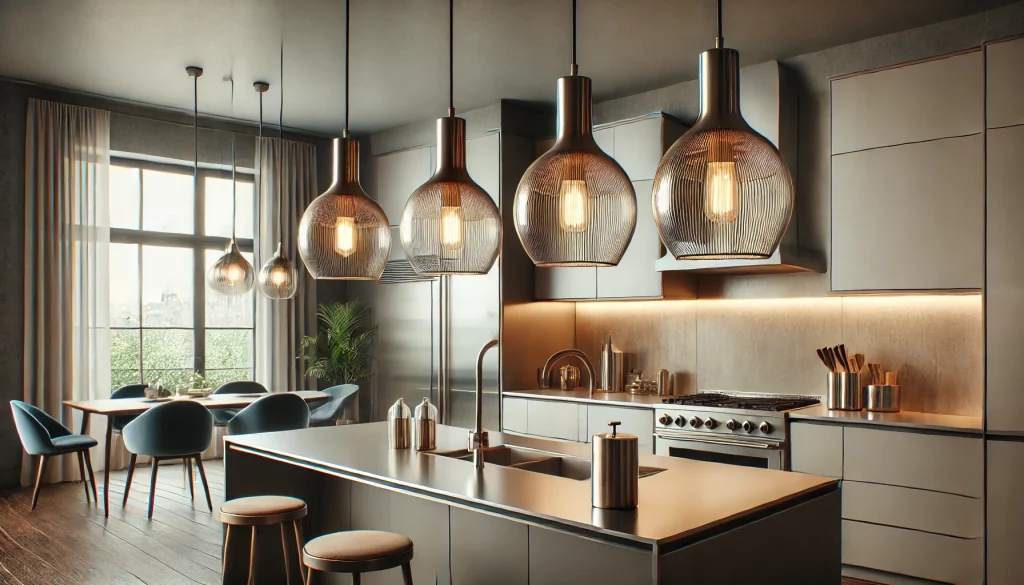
x: 231, y: 274
x: 344, y: 235
x: 575, y: 205
x: 450, y: 224
x: 722, y: 190
x: 278, y: 279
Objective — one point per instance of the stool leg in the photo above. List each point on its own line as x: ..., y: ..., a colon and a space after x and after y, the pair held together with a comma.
x: 309, y: 576
x: 407, y: 574
x: 252, y: 558
x: 298, y: 551
x: 355, y: 578
x: 224, y: 563
x: 284, y: 551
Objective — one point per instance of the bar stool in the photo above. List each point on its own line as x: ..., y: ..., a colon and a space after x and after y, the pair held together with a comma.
x: 264, y: 511
x: 358, y: 551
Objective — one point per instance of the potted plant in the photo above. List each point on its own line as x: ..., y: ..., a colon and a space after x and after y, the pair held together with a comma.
x: 197, y: 386
x: 340, y: 352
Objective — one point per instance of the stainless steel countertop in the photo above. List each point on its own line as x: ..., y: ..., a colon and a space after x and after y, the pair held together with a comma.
x: 689, y: 498
x: 907, y: 419
x: 605, y: 398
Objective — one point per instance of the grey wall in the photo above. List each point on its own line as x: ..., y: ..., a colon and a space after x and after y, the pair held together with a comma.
x: 134, y: 128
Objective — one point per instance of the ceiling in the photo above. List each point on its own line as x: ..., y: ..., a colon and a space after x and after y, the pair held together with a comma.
x: 138, y: 49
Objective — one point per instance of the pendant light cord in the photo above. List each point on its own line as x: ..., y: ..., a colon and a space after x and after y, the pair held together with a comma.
x: 719, y: 40
x: 451, y: 58
x: 348, y: 37
x: 234, y: 202
x: 574, y: 67
x: 280, y: 136
x: 195, y: 134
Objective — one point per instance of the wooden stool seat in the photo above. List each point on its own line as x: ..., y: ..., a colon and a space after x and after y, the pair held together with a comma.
x: 256, y: 511
x: 359, y: 551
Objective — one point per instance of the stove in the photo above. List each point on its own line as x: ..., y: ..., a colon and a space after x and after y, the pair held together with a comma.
x: 739, y: 428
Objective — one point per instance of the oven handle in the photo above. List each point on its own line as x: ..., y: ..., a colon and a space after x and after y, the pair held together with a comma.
x: 716, y: 441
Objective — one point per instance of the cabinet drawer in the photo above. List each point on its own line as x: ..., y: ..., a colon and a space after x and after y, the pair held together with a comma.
x: 948, y: 514
x: 635, y: 421
x: 513, y: 414
x: 816, y: 449
x: 1005, y: 83
x: 908, y: 552
x: 933, y: 462
x: 558, y: 420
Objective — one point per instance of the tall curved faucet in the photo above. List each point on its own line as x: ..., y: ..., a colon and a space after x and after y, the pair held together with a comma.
x: 478, y: 437
x: 546, y: 371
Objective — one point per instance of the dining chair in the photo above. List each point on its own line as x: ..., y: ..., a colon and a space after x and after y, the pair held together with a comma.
x: 180, y: 429
x: 43, y: 435
x: 222, y: 416
x: 342, y: 399
x: 118, y: 421
x: 283, y: 411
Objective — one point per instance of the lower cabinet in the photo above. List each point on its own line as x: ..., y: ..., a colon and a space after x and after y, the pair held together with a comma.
x: 914, y: 553
x: 558, y: 420
x: 635, y: 421
x: 816, y: 448
x: 575, y: 421
x: 1005, y: 512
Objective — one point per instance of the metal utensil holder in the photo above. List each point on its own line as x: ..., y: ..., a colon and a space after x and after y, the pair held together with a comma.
x: 844, y: 391
x: 883, y: 398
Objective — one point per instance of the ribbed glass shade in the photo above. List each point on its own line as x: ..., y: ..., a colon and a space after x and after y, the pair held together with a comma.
x: 231, y: 274
x: 722, y: 190
x: 450, y: 225
x: 575, y: 205
x: 278, y: 279
x: 343, y: 234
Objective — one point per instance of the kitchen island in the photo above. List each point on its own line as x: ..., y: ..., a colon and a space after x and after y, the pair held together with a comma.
x: 697, y: 522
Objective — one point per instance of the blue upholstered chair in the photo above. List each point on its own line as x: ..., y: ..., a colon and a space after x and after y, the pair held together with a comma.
x: 343, y: 399
x: 283, y: 411
x: 43, y: 435
x: 118, y: 422
x: 180, y: 429
x: 222, y: 416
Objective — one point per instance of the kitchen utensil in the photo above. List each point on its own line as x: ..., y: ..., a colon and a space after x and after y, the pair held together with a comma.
x: 425, y: 426
x: 664, y: 380
x: 883, y: 397
x: 891, y: 379
x: 844, y: 357
x: 569, y: 377
x: 615, y: 469
x: 859, y: 357
x: 399, y: 425
x: 824, y: 360
x: 836, y: 366
x: 844, y: 391
x: 613, y: 367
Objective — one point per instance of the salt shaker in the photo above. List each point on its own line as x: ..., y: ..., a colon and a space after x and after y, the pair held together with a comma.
x: 425, y: 425
x: 399, y: 425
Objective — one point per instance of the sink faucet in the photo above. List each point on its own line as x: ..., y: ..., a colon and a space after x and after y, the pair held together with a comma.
x: 478, y: 436
x: 546, y: 371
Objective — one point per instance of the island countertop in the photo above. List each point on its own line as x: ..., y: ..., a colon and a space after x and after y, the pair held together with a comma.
x: 688, y: 500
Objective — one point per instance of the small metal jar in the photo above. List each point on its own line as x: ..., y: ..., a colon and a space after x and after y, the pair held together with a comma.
x: 615, y: 470
x: 399, y: 425
x: 425, y: 426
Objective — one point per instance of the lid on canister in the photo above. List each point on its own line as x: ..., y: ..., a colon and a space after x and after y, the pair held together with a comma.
x: 399, y: 410
x: 614, y: 435
x: 426, y: 411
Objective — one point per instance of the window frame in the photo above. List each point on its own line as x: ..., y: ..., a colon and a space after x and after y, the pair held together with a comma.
x: 198, y: 242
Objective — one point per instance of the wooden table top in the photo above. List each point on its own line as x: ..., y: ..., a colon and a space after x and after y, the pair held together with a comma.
x: 138, y: 405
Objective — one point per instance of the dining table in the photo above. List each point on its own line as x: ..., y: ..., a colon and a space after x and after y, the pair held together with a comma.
x: 112, y: 407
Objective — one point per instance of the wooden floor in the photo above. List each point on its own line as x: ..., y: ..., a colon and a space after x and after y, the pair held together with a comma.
x: 65, y: 541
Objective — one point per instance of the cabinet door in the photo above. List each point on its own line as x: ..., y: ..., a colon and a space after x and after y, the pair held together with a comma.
x: 558, y: 558
x: 513, y: 414
x: 911, y: 103
x: 1005, y: 512
x: 635, y: 421
x: 558, y: 420
x: 398, y: 175
x: 1005, y: 81
x: 910, y: 552
x: 488, y: 549
x: 816, y: 449
x: 635, y: 276
x: 1003, y: 299
x: 909, y: 217
x: 638, y: 148
x: 565, y: 283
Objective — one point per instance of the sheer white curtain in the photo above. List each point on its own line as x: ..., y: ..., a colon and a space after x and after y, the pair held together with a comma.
x: 287, y: 180
x: 67, y: 237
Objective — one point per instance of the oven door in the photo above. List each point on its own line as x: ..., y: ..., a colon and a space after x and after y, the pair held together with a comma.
x: 746, y: 451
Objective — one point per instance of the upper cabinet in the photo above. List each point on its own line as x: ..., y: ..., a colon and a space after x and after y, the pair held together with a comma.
x: 637, y: 145
x: 908, y: 177
x: 1005, y: 83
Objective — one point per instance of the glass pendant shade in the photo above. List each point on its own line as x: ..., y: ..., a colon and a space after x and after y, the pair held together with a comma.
x: 231, y: 274
x: 575, y: 205
x: 344, y: 235
x: 279, y: 279
x: 450, y: 224
x: 722, y: 190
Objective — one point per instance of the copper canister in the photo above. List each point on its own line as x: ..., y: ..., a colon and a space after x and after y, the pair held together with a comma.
x: 399, y: 425
x: 615, y: 470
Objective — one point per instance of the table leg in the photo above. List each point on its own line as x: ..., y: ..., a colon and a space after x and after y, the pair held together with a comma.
x: 106, y: 468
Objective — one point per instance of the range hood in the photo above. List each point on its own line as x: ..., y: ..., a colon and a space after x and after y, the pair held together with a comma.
x: 770, y: 104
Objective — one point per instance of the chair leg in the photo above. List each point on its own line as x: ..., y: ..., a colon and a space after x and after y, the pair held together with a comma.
x: 155, y: 464
x: 224, y: 562
x: 252, y: 558
x: 284, y: 552
x: 407, y: 574
x: 92, y: 476
x: 128, y: 480
x: 39, y: 480
x: 187, y: 462
x: 81, y: 473
x: 202, y: 476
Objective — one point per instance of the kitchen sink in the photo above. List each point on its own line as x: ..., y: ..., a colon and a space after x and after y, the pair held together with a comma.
x: 536, y: 461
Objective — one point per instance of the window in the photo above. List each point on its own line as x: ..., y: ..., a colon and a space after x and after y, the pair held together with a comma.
x: 165, y: 321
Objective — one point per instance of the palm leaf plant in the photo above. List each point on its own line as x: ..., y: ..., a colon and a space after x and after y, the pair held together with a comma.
x: 340, y: 352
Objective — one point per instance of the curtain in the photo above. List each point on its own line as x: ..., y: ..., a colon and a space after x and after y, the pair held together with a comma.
x: 67, y: 236
x: 287, y: 181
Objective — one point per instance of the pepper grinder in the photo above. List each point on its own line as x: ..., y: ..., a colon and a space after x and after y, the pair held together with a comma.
x: 425, y: 425
x: 615, y: 470
x: 399, y: 425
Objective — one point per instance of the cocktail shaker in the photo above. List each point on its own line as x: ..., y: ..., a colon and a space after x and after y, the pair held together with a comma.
x: 425, y: 426
x: 615, y: 470
x: 399, y: 425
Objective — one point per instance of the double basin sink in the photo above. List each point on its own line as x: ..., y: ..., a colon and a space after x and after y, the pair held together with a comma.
x: 536, y: 461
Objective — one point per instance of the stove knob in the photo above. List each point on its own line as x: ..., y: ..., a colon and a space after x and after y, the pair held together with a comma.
x: 748, y: 427
x: 731, y: 424
x: 680, y: 421
x: 765, y: 427
x: 695, y: 421
x: 665, y: 419
x: 710, y: 423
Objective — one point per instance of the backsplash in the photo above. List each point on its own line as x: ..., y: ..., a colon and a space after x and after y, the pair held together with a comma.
x: 935, y: 342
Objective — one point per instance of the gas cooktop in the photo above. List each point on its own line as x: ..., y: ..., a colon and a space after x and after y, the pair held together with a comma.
x: 719, y: 400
